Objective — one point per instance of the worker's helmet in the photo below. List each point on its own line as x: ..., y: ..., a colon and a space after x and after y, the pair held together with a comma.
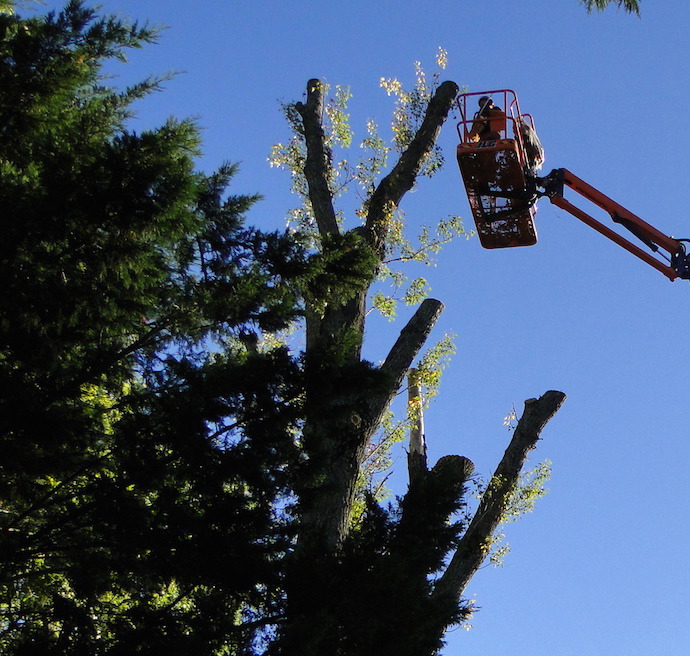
x: 485, y: 100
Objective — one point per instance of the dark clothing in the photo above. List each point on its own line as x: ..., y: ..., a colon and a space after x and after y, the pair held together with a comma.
x: 488, y: 124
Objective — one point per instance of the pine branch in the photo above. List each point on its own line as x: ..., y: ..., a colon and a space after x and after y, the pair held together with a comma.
x: 318, y: 161
x: 474, y: 545
x: 630, y: 6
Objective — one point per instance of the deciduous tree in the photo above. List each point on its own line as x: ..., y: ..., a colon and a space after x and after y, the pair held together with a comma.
x: 392, y: 581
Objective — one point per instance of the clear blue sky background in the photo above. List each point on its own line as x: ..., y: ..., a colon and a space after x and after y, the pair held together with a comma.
x: 601, y: 566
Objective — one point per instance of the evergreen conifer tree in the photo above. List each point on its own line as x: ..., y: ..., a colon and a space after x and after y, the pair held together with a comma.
x: 144, y: 436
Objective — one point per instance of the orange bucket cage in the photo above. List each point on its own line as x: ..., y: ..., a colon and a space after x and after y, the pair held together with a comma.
x: 494, y: 168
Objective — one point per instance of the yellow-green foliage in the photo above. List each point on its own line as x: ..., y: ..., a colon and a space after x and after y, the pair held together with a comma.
x: 360, y: 178
x: 521, y: 500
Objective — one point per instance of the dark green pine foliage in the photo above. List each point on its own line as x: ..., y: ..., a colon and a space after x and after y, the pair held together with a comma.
x: 630, y: 6
x: 377, y: 592
x: 144, y: 438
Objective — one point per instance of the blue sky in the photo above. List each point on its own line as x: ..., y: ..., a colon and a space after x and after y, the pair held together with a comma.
x: 600, y: 567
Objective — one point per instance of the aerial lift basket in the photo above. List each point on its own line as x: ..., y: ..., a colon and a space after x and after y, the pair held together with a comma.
x: 495, y: 170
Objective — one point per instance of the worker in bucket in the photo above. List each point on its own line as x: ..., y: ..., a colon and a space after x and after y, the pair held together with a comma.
x: 488, y: 122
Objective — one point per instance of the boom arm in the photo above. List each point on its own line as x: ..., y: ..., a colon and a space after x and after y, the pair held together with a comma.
x: 677, y: 264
